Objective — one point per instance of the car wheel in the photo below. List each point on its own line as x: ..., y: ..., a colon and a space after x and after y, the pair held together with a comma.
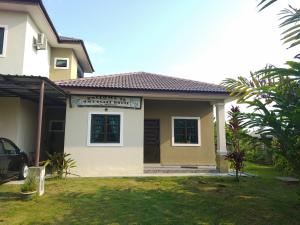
x: 24, y: 171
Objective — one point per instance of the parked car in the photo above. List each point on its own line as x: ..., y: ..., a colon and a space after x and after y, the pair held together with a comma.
x: 13, y: 162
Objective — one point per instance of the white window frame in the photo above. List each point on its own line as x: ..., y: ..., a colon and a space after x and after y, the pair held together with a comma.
x: 4, y: 40
x: 62, y: 68
x: 186, y: 144
x: 104, y: 144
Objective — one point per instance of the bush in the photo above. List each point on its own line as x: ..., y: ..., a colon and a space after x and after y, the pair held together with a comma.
x: 59, y: 164
x: 282, y: 164
x: 236, y: 160
x: 30, y: 184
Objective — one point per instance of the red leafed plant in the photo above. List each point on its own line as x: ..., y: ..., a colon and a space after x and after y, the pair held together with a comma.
x: 237, y: 161
x: 235, y: 126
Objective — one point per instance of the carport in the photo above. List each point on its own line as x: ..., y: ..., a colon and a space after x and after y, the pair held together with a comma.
x: 39, y: 90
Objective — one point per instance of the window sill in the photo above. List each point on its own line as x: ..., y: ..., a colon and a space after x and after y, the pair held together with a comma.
x: 105, y: 145
x: 185, y: 145
x: 61, y: 68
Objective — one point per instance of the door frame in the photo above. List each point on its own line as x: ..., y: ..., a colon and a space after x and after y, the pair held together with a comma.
x: 158, y: 163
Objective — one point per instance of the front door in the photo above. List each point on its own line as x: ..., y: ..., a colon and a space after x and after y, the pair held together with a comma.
x: 151, y: 141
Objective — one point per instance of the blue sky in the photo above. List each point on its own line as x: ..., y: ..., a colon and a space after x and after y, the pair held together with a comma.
x: 196, y: 39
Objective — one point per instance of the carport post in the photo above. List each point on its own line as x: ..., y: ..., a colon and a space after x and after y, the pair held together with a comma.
x: 39, y: 125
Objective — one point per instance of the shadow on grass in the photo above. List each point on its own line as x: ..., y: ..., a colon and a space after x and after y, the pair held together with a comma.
x: 10, y: 196
x: 138, y: 206
x: 177, y: 200
x: 188, y: 201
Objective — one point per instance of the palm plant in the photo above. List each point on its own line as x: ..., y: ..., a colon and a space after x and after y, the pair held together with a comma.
x: 290, y: 18
x: 60, y: 164
x: 274, y: 96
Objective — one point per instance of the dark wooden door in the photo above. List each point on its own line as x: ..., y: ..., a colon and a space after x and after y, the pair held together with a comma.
x: 151, y: 141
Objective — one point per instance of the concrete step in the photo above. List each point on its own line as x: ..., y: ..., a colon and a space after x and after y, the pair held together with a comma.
x: 166, y: 169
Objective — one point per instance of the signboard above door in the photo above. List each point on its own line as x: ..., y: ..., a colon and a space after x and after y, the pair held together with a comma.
x: 106, y: 101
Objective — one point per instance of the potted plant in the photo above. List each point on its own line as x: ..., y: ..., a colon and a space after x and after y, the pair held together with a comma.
x: 29, y: 188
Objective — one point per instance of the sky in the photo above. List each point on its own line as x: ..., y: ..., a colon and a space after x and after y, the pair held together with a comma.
x: 195, y: 39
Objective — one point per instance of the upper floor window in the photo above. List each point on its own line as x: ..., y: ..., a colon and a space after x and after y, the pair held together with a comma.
x: 61, y: 63
x: 3, y: 36
x: 80, y: 73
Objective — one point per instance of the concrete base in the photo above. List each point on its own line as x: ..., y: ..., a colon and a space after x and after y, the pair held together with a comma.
x: 39, y: 173
x: 222, y: 164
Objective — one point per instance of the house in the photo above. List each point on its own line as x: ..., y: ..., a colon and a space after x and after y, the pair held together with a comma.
x: 111, y: 125
x: 30, y: 45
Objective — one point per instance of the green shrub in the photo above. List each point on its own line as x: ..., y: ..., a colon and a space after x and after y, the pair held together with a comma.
x: 282, y: 164
x: 30, y: 184
x: 59, y: 164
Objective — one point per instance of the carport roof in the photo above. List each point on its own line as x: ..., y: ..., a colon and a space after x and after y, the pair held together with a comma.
x: 28, y: 87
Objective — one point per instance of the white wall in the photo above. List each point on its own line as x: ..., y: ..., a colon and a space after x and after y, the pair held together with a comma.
x: 12, y: 63
x: 36, y: 62
x: 21, y: 57
x: 18, y: 120
x: 105, y: 161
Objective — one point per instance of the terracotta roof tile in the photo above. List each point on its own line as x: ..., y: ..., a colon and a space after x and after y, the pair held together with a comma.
x: 142, y: 81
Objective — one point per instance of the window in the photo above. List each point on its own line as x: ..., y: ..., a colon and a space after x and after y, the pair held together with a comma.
x: 80, y: 73
x: 9, y: 148
x: 61, y: 63
x: 56, y: 126
x: 186, y: 131
x: 3, y: 37
x: 105, y: 129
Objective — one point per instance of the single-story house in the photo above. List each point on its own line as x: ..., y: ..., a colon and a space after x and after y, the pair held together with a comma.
x: 118, y: 123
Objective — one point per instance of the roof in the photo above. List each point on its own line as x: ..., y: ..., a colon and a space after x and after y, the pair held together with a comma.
x: 59, y: 39
x: 28, y: 87
x: 144, y: 82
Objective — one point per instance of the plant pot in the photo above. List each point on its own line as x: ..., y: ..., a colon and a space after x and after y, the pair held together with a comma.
x: 28, y: 195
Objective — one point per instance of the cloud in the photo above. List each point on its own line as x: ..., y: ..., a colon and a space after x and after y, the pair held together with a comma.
x: 94, y: 48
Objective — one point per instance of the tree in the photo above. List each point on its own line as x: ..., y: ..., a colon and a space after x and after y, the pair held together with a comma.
x: 290, y: 20
x: 235, y: 126
x: 274, y: 96
x: 274, y: 93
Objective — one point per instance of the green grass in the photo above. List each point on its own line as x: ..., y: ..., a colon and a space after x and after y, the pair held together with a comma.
x: 156, y: 200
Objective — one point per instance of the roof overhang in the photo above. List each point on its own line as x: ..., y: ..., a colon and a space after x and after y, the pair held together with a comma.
x: 28, y: 87
x: 156, y: 95
x: 38, y: 13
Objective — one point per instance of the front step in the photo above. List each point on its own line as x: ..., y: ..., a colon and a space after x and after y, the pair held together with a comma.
x: 178, y: 169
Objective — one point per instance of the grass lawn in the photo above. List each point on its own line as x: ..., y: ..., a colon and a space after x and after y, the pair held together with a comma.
x: 175, y: 200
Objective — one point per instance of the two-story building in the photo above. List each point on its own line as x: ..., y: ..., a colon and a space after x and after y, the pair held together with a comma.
x: 31, y: 46
x: 111, y: 125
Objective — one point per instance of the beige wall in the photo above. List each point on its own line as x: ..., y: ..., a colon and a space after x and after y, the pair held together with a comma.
x: 9, y: 109
x: 27, y: 125
x: 63, y: 74
x: 18, y: 119
x: 171, y: 155
x: 101, y: 161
